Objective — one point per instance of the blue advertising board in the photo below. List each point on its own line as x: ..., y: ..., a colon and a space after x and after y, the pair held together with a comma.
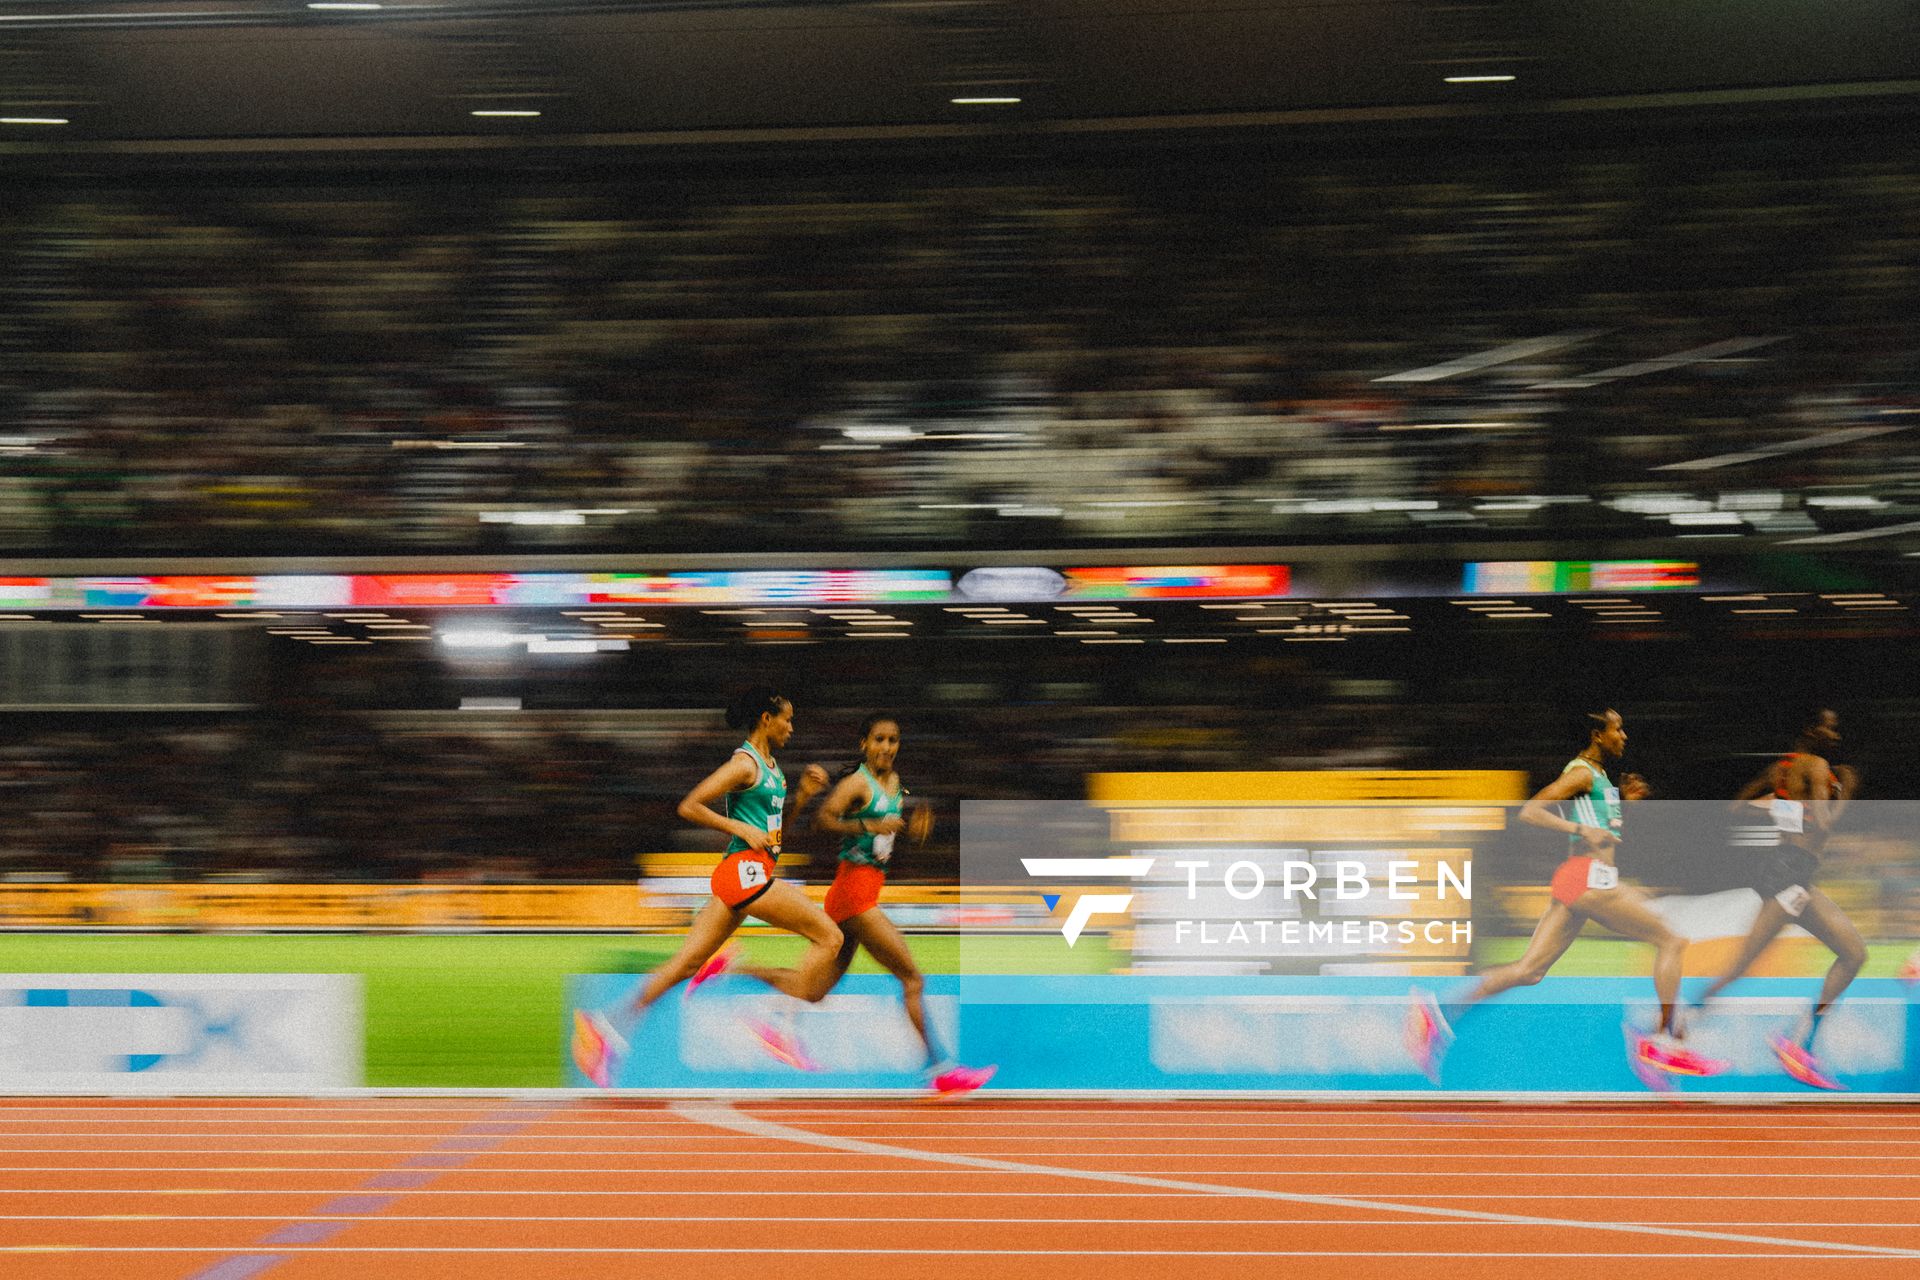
x: 1091, y: 1033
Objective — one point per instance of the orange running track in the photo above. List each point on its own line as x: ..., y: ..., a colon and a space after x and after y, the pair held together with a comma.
x: 321, y: 1189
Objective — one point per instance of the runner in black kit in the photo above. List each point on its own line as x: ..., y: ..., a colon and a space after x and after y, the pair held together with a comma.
x: 1806, y: 797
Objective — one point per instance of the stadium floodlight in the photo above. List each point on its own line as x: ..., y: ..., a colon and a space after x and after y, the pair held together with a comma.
x: 1479, y: 79
x: 984, y: 102
x: 34, y: 120
x: 480, y: 639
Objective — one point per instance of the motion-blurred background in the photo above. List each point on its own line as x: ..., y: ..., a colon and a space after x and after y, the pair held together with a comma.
x: 1524, y: 357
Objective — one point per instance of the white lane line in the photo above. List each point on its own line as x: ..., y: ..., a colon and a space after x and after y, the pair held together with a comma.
x: 1386, y: 1202
x: 723, y: 1116
x: 138, y: 1219
x: 759, y: 1250
x: 1656, y: 1170
x: 615, y: 1108
x: 705, y: 1146
x: 1657, y: 1160
x: 1646, y: 1150
x: 959, y: 1127
x: 955, y: 1123
x: 1700, y: 1107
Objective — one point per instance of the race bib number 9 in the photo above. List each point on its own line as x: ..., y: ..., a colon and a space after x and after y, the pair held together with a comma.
x: 1789, y: 816
x: 1603, y: 875
x: 752, y: 874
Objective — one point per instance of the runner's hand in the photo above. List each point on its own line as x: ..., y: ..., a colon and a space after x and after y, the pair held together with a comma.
x: 813, y: 779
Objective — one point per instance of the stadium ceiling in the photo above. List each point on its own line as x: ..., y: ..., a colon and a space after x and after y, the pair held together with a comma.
x: 157, y: 72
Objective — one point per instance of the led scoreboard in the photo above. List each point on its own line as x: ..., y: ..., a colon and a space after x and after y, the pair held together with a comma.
x: 1304, y: 873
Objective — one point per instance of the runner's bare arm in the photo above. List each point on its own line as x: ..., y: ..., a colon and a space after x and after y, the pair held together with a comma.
x: 1813, y: 778
x: 1567, y: 786
x: 697, y: 806
x: 813, y: 780
x: 851, y: 793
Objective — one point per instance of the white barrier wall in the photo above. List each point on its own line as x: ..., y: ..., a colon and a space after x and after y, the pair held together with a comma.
x: 179, y: 1033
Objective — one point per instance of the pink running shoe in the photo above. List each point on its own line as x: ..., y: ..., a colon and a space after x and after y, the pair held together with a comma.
x: 1801, y: 1064
x: 1669, y: 1055
x: 1427, y: 1034
x: 717, y: 963
x: 1639, y: 1060
x: 782, y: 1047
x: 597, y: 1048
x: 955, y: 1081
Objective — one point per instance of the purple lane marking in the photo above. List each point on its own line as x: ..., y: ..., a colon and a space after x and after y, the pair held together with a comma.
x: 415, y: 1172
x: 493, y: 1127
x: 240, y: 1268
x: 435, y: 1160
x: 306, y: 1233
x: 342, y: 1206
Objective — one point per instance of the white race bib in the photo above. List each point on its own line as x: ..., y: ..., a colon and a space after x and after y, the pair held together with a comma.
x: 1603, y: 875
x: 753, y: 874
x: 883, y: 846
x: 1789, y: 816
x: 1793, y: 899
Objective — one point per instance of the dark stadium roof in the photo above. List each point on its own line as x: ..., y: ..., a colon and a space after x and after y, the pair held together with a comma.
x: 148, y: 71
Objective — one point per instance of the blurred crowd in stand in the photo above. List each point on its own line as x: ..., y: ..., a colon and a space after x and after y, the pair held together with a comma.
x: 851, y: 361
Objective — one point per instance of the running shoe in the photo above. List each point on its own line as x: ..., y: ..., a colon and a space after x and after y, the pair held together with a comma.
x: 1801, y: 1064
x: 717, y: 963
x: 955, y: 1081
x: 597, y: 1048
x: 1669, y: 1055
x: 1639, y: 1061
x: 1910, y: 969
x: 1427, y: 1034
x: 781, y: 1047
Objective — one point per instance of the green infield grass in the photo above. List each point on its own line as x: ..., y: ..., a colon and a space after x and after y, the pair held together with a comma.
x: 1620, y: 958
